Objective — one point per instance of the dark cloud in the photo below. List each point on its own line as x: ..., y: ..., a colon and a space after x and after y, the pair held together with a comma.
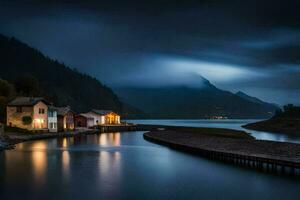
x: 254, y: 44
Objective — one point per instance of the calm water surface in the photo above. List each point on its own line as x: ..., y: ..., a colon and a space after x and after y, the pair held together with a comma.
x: 125, y: 166
x: 229, y: 123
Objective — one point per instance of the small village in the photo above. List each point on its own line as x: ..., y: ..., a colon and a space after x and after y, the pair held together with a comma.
x: 36, y: 114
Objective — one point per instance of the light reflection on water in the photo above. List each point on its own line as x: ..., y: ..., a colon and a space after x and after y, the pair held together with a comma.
x: 125, y: 166
x: 39, y: 163
x: 66, y: 163
x: 110, y: 139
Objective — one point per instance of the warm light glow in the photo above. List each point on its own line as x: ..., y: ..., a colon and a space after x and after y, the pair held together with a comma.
x: 39, y: 120
x: 113, y: 139
x: 66, y: 162
x: 117, y: 139
x: 103, y: 139
x: 39, y: 161
x: 39, y: 145
x: 65, y: 143
x: 112, y: 118
x: 38, y: 123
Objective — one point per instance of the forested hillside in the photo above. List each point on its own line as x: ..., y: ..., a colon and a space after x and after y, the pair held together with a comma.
x: 32, y: 73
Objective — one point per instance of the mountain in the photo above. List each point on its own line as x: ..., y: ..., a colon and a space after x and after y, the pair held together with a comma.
x: 57, y: 82
x: 185, y: 102
x: 65, y: 86
x: 254, y: 99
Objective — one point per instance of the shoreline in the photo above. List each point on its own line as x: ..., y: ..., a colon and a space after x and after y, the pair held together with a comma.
x: 259, y: 154
x: 11, y: 139
x: 289, y: 127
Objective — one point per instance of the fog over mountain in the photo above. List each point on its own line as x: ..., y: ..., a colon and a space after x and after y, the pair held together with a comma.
x: 186, y: 102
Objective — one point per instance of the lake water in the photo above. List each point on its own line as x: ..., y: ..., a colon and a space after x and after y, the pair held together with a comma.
x: 125, y: 166
x: 228, y: 123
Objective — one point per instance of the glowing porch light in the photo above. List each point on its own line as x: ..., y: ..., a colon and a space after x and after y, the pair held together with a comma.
x: 39, y: 121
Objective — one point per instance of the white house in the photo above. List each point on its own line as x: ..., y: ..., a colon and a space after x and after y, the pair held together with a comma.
x: 98, y: 119
x: 102, y: 117
x: 52, y: 119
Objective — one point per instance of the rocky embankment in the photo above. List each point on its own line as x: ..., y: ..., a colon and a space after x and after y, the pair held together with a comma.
x: 269, y: 156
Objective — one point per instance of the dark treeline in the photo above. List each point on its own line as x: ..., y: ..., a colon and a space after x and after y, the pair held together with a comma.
x: 286, y: 121
x: 7, y: 93
x: 289, y: 111
x: 30, y: 73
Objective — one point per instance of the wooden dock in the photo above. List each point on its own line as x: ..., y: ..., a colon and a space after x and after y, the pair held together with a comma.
x: 275, y: 157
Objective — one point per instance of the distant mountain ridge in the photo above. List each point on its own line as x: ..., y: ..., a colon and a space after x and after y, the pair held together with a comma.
x: 188, y: 102
x: 252, y: 99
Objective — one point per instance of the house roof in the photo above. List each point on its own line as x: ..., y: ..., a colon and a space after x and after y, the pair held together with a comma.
x: 64, y: 110
x: 52, y: 108
x: 102, y: 112
x: 27, y: 101
x: 86, y: 115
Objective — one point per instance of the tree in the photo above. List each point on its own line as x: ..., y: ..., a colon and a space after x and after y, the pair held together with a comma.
x: 288, y: 107
x: 6, y: 89
x: 6, y: 94
x: 278, y: 113
x: 27, y: 85
x: 27, y: 120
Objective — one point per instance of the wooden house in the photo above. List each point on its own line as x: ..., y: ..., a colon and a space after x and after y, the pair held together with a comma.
x: 102, y: 117
x: 65, y: 118
x: 84, y: 121
x: 28, y: 113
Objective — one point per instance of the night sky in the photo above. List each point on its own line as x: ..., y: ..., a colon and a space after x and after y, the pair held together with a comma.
x: 247, y: 45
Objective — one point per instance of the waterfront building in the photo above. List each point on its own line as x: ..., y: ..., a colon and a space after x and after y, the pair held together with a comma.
x: 28, y: 113
x: 65, y: 118
x: 105, y: 117
x: 52, y: 119
x: 84, y: 121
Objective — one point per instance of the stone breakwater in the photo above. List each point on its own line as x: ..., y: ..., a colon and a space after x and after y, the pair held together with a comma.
x: 259, y: 154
